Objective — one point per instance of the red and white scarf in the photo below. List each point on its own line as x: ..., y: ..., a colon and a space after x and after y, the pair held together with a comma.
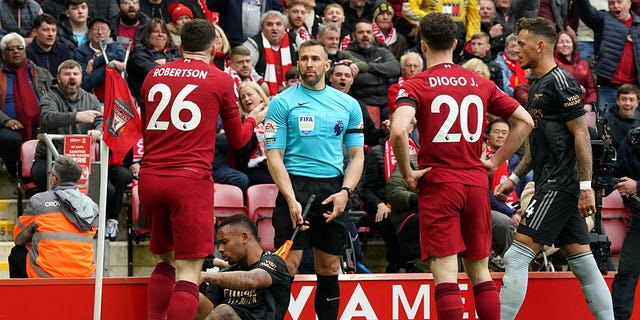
x: 208, y: 14
x: 258, y: 154
x: 517, y: 75
x: 236, y: 79
x: 390, y: 39
x: 270, y: 75
x: 345, y: 42
x: 303, y: 33
x: 390, y: 159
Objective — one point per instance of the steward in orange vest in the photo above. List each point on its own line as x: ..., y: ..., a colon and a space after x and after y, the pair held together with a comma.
x: 58, y: 227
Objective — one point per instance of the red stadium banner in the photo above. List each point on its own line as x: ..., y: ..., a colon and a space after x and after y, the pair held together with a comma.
x: 550, y: 296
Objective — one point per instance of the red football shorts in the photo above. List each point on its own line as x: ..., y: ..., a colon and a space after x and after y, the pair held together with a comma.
x: 179, y: 211
x: 454, y: 219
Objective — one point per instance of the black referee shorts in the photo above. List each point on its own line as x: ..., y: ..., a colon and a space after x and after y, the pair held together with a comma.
x: 553, y: 218
x: 328, y: 237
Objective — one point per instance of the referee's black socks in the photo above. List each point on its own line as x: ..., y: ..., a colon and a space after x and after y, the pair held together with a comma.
x: 327, y: 301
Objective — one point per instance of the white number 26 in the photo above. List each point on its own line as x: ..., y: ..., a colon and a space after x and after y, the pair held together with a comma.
x: 179, y: 104
x: 462, y: 109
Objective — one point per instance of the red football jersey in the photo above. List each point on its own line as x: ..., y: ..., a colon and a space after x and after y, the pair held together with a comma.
x: 450, y: 104
x: 181, y: 101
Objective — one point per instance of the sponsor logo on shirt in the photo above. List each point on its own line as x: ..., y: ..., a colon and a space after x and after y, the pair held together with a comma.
x: 269, y: 265
x: 240, y: 297
x: 402, y: 94
x: 306, y: 124
x: 270, y: 129
x: 573, y: 101
x: 338, y: 128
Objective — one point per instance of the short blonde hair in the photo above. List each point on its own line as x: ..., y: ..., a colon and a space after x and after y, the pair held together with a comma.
x: 475, y: 64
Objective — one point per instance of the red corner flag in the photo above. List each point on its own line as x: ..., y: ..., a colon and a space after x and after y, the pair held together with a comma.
x: 121, y: 127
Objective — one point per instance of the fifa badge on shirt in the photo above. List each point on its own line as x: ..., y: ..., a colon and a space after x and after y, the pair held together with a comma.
x: 306, y: 124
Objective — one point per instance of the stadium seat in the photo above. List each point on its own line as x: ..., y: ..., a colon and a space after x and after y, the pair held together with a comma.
x: 374, y: 113
x: 261, y: 200
x: 227, y: 201
x: 26, y: 187
x: 615, y: 219
x: 613, y: 207
x: 137, y: 223
x: 616, y: 229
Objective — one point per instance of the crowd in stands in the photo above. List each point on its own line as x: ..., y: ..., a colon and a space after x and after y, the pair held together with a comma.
x: 55, y: 52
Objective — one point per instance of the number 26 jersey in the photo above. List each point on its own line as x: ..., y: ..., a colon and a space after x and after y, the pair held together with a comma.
x: 450, y: 104
x: 182, y: 100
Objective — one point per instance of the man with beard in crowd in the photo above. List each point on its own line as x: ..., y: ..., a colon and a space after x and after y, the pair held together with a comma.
x: 129, y: 22
x: 66, y: 109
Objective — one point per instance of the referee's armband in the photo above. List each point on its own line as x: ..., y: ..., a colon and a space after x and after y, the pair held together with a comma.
x: 355, y: 130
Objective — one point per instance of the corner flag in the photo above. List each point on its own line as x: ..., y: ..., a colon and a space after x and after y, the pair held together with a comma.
x: 122, y: 127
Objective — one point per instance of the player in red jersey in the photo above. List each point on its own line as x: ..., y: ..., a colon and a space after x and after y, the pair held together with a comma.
x: 449, y: 104
x: 182, y: 101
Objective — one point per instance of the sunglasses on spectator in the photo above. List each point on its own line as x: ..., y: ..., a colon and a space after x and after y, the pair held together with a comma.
x: 14, y: 48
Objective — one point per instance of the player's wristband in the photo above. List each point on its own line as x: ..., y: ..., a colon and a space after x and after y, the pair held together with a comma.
x: 585, y: 185
x: 513, y: 177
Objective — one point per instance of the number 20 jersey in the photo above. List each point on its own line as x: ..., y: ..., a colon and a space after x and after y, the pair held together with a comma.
x: 182, y: 100
x: 450, y: 104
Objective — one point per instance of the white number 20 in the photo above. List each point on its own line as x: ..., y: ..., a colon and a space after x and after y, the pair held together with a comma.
x: 179, y: 104
x: 443, y: 134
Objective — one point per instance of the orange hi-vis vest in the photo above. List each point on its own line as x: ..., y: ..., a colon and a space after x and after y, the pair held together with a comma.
x: 59, y: 249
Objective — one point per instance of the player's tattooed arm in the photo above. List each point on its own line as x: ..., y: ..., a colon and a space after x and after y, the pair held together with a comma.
x: 526, y: 164
x: 578, y: 128
x: 239, y: 280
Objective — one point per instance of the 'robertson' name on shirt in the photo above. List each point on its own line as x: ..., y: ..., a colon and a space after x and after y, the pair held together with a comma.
x: 180, y: 73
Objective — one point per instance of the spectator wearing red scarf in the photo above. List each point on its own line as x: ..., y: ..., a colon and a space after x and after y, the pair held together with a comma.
x: 512, y: 73
x: 21, y: 85
x: 385, y: 31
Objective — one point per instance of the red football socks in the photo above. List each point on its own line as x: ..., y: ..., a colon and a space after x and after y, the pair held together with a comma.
x: 448, y: 301
x: 487, y: 300
x: 160, y: 289
x: 184, y: 301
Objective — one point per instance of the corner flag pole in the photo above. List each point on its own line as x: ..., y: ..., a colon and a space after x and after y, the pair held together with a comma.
x: 104, y: 165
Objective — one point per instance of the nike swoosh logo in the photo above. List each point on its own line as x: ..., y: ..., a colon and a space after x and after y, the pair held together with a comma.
x: 300, y: 104
x: 333, y: 299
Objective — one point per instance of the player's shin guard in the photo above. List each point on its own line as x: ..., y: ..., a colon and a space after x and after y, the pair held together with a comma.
x: 594, y: 288
x: 514, y: 281
x: 184, y: 301
x: 327, y: 301
x: 159, y: 290
x: 487, y: 300
x: 448, y: 301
